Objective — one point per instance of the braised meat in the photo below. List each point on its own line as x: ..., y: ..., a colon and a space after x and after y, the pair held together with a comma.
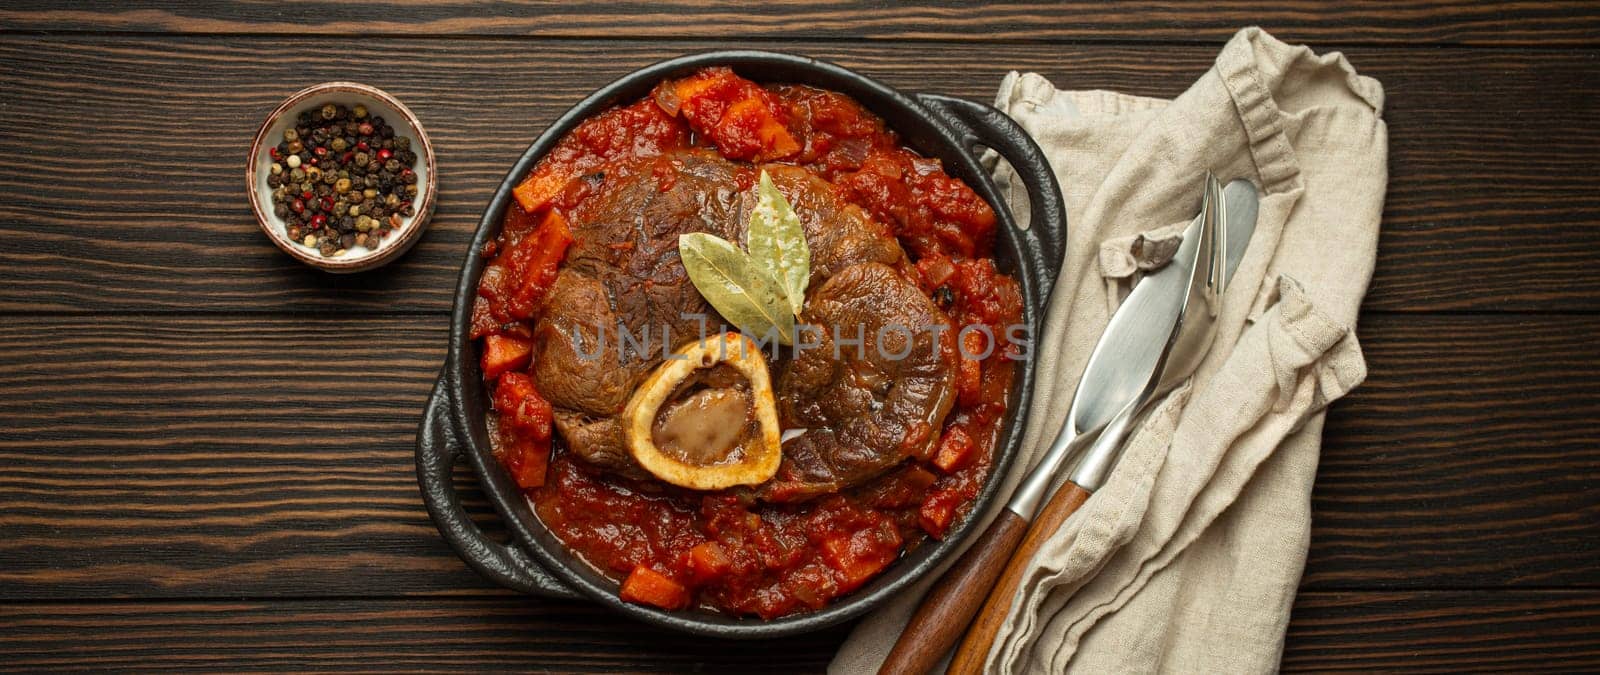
x: 865, y: 406
x: 673, y: 476
x: 622, y: 279
x: 838, y: 233
x: 622, y: 269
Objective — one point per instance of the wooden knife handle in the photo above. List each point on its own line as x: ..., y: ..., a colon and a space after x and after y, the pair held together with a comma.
x: 954, y: 599
x: 974, y: 649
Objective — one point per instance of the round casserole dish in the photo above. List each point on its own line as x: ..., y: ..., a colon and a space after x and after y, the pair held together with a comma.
x: 454, y: 425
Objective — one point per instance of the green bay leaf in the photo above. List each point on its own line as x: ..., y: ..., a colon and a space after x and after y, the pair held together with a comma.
x: 740, y: 289
x: 778, y: 244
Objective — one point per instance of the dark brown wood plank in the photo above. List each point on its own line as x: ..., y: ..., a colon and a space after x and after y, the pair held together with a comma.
x: 1484, y: 631
x: 1408, y: 22
x: 124, y: 192
x: 497, y: 632
x: 1522, y: 631
x: 1471, y: 439
x: 199, y: 456
x: 227, y: 456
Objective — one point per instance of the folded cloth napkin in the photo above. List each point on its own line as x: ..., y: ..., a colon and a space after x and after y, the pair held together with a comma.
x: 1189, y: 557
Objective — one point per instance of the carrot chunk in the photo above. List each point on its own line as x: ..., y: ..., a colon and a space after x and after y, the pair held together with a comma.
x: 937, y: 512
x: 536, y: 191
x: 969, y: 380
x: 642, y: 129
x: 858, y: 556
x: 526, y: 421
x: 504, y: 353
x: 708, y: 562
x: 750, y: 129
x: 744, y: 120
x: 646, y: 586
x: 534, y: 263
x: 955, y: 450
x: 521, y: 407
x: 515, y: 282
x: 527, y: 459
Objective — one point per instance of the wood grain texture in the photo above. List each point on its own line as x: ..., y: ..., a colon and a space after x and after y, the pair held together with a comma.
x: 973, y: 652
x: 1408, y: 22
x: 496, y: 632
x: 205, y: 456
x: 182, y: 456
x: 1450, y: 631
x: 1496, y: 417
x: 207, y: 447
x: 1520, y: 631
x: 122, y: 201
x: 950, y: 605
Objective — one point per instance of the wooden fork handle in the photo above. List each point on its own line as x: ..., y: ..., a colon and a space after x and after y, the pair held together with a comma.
x: 954, y: 599
x: 974, y: 650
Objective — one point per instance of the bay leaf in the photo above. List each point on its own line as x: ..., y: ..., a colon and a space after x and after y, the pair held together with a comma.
x: 739, y: 288
x: 778, y: 243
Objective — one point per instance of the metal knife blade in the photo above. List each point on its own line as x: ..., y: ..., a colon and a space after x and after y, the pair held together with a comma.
x: 1130, y: 348
x: 1138, y: 330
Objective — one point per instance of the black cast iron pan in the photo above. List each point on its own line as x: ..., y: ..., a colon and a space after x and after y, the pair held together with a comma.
x: 453, y: 426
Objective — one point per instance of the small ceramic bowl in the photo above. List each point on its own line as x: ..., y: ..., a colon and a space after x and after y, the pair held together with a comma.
x: 358, y: 258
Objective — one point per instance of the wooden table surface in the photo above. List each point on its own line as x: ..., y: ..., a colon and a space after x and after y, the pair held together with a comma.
x: 206, y: 448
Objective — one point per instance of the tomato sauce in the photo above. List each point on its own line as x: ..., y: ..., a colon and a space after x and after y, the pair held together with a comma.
x: 725, y: 551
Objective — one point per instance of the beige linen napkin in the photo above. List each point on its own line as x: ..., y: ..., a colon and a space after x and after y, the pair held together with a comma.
x: 1189, y: 557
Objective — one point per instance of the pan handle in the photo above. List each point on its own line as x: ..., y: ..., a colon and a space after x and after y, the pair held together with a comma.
x: 438, y: 449
x: 1044, y: 241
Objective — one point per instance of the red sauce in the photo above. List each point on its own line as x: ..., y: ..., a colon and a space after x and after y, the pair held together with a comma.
x: 675, y: 548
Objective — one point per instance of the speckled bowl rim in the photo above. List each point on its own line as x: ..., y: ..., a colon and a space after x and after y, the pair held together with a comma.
x: 409, y: 233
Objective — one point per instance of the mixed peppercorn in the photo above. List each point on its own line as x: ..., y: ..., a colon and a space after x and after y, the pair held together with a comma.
x: 342, y: 178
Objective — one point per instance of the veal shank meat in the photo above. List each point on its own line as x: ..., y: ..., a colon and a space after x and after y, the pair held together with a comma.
x: 874, y: 391
x: 623, y: 271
